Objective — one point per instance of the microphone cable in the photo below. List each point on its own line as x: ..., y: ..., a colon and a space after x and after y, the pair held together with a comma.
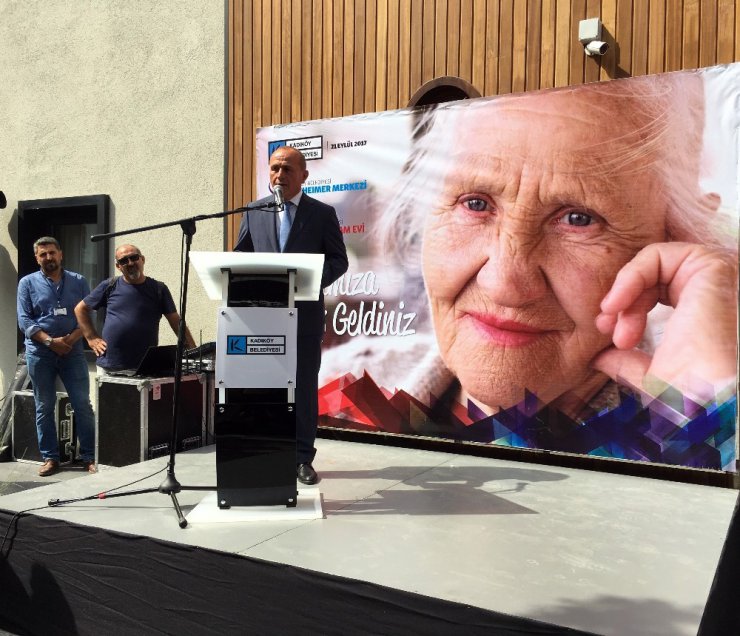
x: 55, y: 503
x: 13, y: 520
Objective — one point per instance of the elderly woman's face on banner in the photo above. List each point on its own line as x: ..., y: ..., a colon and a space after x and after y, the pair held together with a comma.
x: 545, y: 198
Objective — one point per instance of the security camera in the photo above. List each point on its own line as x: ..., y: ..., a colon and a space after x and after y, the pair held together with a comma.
x: 596, y: 47
x: 589, y: 34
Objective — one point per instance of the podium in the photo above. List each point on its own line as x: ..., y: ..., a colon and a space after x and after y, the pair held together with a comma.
x: 255, y: 374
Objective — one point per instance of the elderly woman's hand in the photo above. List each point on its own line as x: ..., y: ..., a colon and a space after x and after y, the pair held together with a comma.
x: 697, y: 353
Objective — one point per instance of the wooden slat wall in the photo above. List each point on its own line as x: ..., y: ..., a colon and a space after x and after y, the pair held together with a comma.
x: 294, y: 60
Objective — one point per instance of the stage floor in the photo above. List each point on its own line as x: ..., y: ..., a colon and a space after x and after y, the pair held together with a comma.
x: 604, y: 553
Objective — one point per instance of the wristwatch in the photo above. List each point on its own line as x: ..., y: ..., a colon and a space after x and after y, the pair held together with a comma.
x: 48, y: 340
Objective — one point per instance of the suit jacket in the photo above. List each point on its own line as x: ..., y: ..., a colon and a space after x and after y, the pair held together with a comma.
x: 315, y: 230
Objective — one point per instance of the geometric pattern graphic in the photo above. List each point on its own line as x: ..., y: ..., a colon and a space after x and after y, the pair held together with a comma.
x: 668, y: 430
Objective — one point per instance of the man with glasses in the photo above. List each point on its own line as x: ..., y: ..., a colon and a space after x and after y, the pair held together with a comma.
x: 46, y: 302
x: 134, y: 304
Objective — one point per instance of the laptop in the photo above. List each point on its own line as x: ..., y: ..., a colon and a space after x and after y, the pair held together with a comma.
x: 157, y: 362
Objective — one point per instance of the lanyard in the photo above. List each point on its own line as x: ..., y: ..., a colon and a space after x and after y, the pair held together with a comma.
x: 58, y: 291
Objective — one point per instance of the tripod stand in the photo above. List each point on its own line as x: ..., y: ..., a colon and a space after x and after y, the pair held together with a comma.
x: 171, y: 486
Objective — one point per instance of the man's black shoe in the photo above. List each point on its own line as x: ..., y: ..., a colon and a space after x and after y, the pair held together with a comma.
x: 306, y: 474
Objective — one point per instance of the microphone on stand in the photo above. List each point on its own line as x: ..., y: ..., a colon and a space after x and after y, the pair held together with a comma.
x: 277, y: 205
x: 279, y: 201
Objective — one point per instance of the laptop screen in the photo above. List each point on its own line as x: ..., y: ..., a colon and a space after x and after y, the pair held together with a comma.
x: 158, y: 361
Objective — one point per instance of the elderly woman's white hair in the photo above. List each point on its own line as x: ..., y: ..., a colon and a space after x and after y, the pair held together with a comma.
x: 667, y: 113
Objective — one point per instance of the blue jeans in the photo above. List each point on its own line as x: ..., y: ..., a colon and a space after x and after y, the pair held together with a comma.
x: 72, y: 370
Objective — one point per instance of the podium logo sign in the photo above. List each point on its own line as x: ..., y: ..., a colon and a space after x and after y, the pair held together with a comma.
x: 255, y: 345
x: 236, y: 345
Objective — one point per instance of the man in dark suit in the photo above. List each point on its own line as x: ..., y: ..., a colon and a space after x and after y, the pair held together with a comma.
x: 305, y: 226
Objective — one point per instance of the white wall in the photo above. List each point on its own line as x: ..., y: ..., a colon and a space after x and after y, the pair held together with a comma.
x: 120, y: 98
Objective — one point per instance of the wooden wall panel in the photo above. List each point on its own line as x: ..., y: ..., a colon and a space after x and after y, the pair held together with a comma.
x: 293, y: 43
x: 470, y: 35
x: 690, y: 36
x: 306, y: 60
x: 656, y: 34
x: 292, y: 60
x: 237, y: 152
x: 337, y: 55
x: 317, y: 56
x: 562, y: 43
x: 726, y: 16
x: 640, y: 18
x: 415, y: 35
x: 533, y: 49
x: 623, y: 38
x: 577, y: 61
x: 348, y: 41
x: 708, y: 32
x: 381, y: 55
x: 275, y: 67
x: 404, y: 52
x: 493, y: 15
x: 452, y: 29
x: 440, y: 37
x: 393, y: 59
x: 548, y: 15
x: 427, y: 66
x: 673, y: 35
x: 608, y: 64
x: 519, y: 45
x: 591, y: 72
x: 506, y: 45
x: 371, y: 30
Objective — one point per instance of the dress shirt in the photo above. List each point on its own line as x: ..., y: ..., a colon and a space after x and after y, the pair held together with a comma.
x: 49, y: 306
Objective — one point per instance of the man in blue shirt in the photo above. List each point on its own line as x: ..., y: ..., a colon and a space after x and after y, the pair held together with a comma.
x: 46, y: 302
x: 134, y: 304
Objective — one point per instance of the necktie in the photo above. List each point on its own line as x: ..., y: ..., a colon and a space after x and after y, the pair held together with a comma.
x: 285, y: 224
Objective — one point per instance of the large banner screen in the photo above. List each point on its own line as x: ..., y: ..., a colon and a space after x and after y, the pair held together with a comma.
x: 553, y: 270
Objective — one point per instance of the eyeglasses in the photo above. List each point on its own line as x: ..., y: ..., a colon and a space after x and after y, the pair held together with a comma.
x: 125, y: 260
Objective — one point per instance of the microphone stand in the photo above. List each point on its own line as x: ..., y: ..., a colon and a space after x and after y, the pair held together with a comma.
x: 170, y: 486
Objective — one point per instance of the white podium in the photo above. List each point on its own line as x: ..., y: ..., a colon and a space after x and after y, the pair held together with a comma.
x: 254, y: 418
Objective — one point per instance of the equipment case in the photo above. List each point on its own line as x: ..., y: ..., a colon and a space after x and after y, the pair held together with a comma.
x: 133, y: 422
x: 25, y: 440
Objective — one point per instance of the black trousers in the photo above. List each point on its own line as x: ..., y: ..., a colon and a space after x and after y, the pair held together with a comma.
x: 307, y: 395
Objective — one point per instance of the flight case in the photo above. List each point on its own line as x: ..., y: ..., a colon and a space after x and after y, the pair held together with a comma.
x: 133, y: 422
x: 25, y: 440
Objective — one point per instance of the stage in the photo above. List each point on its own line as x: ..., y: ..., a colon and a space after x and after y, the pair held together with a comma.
x: 410, y: 541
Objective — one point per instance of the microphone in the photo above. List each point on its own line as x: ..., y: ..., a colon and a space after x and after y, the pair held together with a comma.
x: 279, y: 201
x: 3, y: 200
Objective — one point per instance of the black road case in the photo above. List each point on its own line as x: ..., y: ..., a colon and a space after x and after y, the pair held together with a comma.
x: 134, y: 417
x: 25, y: 441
